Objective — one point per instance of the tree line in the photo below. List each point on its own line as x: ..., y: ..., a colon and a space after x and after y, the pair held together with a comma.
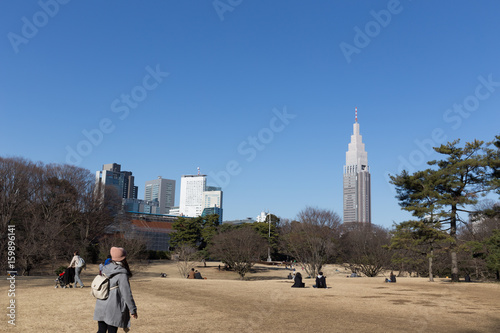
x: 56, y: 209
x: 453, y: 233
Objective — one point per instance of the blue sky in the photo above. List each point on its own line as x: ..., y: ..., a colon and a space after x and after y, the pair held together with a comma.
x: 259, y: 94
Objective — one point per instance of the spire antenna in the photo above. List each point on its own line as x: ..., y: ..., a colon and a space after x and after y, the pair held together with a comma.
x: 356, y: 112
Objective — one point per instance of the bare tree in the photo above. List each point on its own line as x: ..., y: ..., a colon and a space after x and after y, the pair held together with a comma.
x: 365, y: 248
x: 313, y: 240
x: 186, y: 257
x: 135, y: 246
x: 54, y: 208
x: 16, y: 191
x: 240, y: 249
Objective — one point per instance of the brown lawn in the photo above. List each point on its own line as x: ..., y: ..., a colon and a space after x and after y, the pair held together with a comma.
x: 263, y: 303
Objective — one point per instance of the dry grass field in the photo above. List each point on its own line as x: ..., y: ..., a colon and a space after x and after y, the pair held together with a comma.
x: 263, y: 303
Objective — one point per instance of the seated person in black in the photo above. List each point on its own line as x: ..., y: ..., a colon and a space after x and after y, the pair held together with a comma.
x: 298, y: 281
x: 393, y: 277
x: 320, y: 281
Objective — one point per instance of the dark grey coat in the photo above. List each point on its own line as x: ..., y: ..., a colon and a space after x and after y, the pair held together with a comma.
x: 116, y: 309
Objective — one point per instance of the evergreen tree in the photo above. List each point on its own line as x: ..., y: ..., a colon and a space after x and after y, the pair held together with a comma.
x: 268, y: 230
x: 187, y: 232
x: 447, y: 190
x: 195, y: 232
x: 492, y: 245
x: 421, y: 237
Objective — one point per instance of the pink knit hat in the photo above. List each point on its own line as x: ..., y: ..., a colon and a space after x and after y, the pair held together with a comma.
x: 118, y: 253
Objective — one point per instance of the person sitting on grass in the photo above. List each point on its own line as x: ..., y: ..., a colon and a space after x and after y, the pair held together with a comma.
x: 298, y: 281
x: 320, y: 281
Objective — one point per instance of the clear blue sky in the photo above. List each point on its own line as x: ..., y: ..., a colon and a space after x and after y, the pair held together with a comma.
x: 261, y: 90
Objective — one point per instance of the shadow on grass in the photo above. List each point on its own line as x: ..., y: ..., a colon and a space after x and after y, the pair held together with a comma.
x: 264, y: 278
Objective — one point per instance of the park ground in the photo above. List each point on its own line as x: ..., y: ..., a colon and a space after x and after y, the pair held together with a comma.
x: 264, y: 302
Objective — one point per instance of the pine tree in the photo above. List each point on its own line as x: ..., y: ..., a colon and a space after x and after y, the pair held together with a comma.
x: 445, y: 191
x: 421, y: 237
x: 493, y: 253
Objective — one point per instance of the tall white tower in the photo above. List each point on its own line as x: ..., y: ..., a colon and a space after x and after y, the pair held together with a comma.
x: 357, y: 192
x: 191, y: 195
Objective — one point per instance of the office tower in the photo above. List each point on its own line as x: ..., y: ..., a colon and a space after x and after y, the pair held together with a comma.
x: 357, y: 202
x: 212, y: 201
x: 141, y: 206
x: 123, y: 181
x: 191, y: 195
x: 161, y: 190
x: 198, y: 199
x: 129, y: 190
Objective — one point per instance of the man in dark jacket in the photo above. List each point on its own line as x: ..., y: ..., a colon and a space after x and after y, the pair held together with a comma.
x: 320, y: 280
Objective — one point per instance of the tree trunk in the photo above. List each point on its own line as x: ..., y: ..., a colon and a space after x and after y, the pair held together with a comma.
x: 453, y: 247
x: 431, y: 278
x: 454, y: 267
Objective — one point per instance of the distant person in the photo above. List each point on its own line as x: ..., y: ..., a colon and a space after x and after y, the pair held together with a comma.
x: 393, y: 277
x: 76, y: 263
x: 101, y: 266
x: 191, y: 274
x: 289, y: 277
x: 116, y: 310
x: 320, y: 281
x: 297, y: 281
x: 197, y: 275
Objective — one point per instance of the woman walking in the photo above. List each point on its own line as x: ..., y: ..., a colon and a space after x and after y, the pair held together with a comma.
x: 75, y: 263
x: 115, y: 311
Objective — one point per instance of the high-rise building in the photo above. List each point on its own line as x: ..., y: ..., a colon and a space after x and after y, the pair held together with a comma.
x: 191, y: 195
x: 212, y: 201
x: 141, y: 206
x: 161, y: 190
x: 129, y: 190
x: 357, y: 191
x: 196, y: 196
x: 123, y: 181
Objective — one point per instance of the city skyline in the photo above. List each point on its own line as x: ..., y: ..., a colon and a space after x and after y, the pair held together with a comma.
x: 260, y: 97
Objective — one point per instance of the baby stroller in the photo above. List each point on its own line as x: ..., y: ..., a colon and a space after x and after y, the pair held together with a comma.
x: 66, y: 278
x: 60, y: 281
